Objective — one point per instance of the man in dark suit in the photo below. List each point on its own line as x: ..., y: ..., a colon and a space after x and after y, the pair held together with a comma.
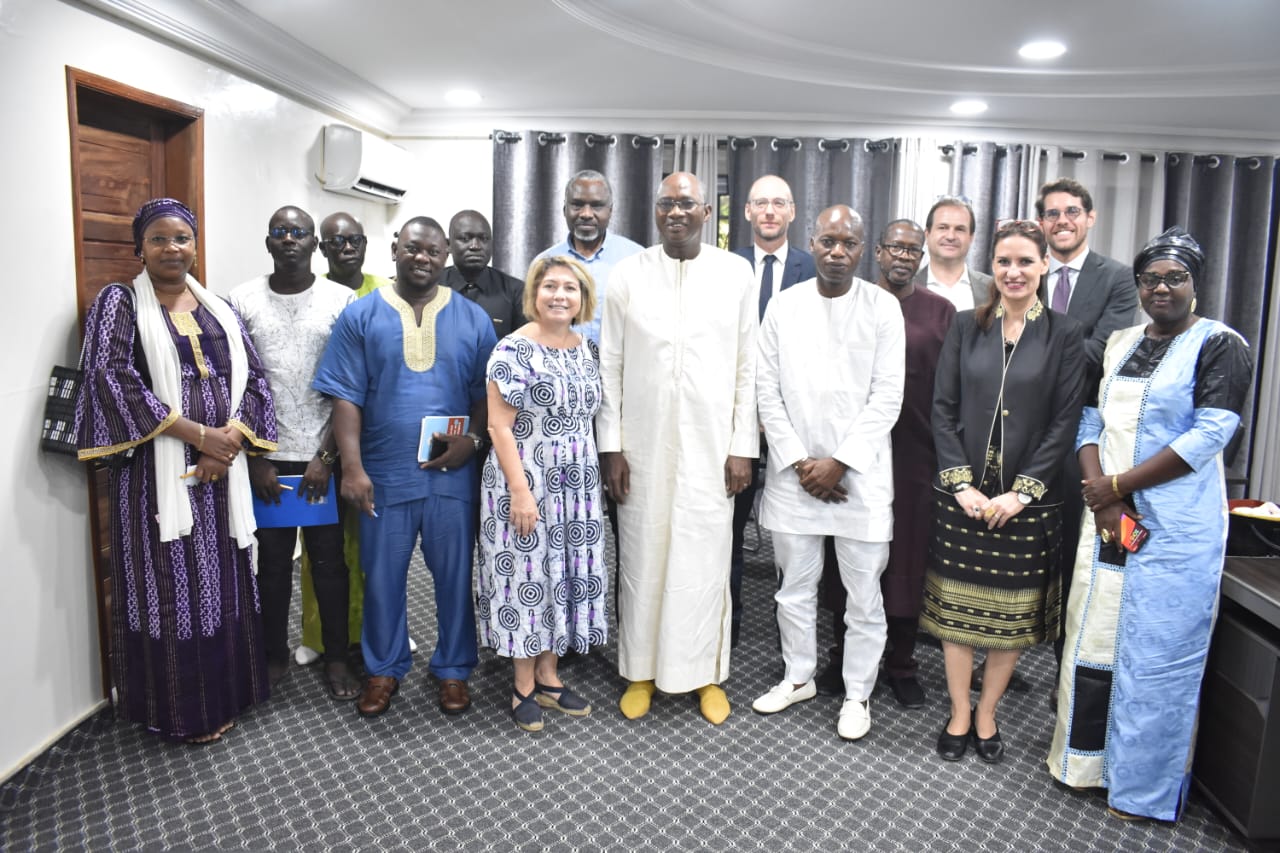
x: 948, y: 236
x: 1099, y: 293
x: 770, y: 209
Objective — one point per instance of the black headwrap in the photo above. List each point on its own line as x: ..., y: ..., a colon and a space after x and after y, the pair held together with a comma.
x: 155, y: 209
x: 1174, y: 244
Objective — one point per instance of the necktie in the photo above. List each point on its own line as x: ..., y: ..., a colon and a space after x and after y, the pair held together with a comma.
x: 1062, y: 290
x: 766, y: 283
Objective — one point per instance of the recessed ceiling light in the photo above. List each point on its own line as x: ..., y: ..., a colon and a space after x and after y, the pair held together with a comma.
x: 462, y: 97
x: 1042, y: 50
x: 969, y: 108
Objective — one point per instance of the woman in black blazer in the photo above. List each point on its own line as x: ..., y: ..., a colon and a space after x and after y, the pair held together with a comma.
x: 1006, y: 404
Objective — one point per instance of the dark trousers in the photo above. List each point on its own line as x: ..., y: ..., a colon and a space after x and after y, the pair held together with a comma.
x: 742, y: 503
x: 1072, y: 510
x: 328, y: 577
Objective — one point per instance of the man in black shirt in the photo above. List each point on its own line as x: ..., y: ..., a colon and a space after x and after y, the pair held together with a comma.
x: 499, y: 294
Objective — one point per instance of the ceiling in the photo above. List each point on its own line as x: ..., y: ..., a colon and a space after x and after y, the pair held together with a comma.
x: 1143, y: 68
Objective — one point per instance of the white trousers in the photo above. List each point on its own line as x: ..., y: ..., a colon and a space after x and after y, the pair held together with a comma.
x: 799, y: 559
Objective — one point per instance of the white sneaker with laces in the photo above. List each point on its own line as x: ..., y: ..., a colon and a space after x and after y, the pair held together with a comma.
x: 305, y: 656
x: 855, y: 719
x: 783, y: 696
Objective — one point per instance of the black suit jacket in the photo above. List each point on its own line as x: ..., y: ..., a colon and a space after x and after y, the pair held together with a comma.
x: 1104, y: 299
x: 799, y: 265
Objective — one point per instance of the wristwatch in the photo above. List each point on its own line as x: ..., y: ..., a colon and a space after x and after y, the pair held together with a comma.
x: 477, y: 439
x: 960, y: 487
x: 327, y: 458
x: 1023, y: 498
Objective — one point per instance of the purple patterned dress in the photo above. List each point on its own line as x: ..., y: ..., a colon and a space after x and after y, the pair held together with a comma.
x: 186, y: 634
x: 545, y: 591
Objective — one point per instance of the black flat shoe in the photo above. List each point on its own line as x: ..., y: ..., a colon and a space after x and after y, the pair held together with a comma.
x: 989, y: 749
x: 953, y: 747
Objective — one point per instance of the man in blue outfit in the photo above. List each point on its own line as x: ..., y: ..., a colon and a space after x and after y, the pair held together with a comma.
x: 411, y: 350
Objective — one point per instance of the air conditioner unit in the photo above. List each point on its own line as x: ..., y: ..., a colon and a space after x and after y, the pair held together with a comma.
x: 362, y: 165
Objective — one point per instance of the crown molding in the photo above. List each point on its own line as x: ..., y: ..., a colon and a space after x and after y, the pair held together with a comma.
x: 233, y: 37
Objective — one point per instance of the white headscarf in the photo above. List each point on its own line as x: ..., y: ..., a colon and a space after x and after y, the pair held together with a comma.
x: 172, y: 501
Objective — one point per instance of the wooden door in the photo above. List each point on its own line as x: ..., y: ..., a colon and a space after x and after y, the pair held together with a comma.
x: 127, y: 146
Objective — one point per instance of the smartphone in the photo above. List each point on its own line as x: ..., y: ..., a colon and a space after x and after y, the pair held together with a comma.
x: 436, y: 448
x: 1132, y: 534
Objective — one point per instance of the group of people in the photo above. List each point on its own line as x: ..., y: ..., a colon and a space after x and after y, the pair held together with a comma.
x: 944, y: 450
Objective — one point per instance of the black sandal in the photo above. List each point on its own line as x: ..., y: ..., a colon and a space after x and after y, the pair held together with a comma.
x: 527, y: 712
x: 343, y: 686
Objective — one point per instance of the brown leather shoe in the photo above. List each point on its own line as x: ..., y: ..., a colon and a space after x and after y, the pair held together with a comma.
x: 375, y: 699
x: 454, y: 696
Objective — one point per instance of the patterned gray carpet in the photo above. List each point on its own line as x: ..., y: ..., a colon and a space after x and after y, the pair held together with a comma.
x: 305, y: 773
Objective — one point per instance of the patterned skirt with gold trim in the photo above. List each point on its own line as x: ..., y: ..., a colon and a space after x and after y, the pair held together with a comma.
x: 993, y: 589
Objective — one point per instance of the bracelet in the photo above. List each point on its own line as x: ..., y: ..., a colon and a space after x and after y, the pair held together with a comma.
x: 200, y: 446
x: 1115, y: 485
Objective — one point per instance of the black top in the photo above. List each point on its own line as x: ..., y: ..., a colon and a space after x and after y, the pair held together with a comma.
x: 500, y: 295
x: 1028, y: 406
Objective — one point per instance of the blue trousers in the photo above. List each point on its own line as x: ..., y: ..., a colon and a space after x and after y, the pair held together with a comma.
x: 386, y: 546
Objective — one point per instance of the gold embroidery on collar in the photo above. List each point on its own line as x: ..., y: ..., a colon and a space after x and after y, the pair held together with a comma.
x: 419, y: 340
x: 185, y: 323
x: 1033, y: 313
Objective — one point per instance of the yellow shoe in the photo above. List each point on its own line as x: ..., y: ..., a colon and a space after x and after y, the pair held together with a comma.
x: 634, y: 703
x: 714, y: 704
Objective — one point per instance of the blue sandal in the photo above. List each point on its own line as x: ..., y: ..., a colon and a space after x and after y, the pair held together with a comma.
x: 561, y: 699
x: 527, y: 712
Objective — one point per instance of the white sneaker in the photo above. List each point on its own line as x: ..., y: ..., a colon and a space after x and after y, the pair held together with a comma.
x: 783, y: 696
x: 855, y: 719
x: 413, y: 647
x: 305, y: 656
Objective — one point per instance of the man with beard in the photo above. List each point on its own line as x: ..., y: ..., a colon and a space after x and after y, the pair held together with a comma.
x: 830, y: 388
x: 289, y: 315
x: 588, y: 207
x: 499, y: 294
x: 770, y: 209
x: 949, y: 234
x: 677, y: 434
x: 408, y: 351
x: 1098, y: 293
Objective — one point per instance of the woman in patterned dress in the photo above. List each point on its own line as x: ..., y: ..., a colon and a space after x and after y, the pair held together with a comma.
x: 543, y: 579
x: 172, y: 391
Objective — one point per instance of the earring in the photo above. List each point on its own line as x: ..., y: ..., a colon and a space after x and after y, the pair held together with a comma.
x: 1193, y: 304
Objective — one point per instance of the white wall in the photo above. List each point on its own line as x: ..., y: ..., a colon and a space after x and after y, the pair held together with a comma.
x: 259, y: 150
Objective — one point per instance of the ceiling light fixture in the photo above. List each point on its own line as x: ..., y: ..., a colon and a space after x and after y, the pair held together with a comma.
x: 1042, y: 50
x: 969, y: 108
x: 462, y: 97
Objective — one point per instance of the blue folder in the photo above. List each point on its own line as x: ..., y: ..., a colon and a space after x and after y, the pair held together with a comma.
x: 294, y: 510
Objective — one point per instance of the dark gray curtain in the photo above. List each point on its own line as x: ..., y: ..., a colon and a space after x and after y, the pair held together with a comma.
x: 530, y: 170
x: 996, y: 179
x: 1229, y: 204
x: 821, y: 172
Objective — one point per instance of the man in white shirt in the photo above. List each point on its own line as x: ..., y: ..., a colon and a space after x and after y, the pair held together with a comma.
x: 770, y: 209
x: 829, y: 382
x: 948, y: 236
x: 289, y: 315
x: 677, y: 433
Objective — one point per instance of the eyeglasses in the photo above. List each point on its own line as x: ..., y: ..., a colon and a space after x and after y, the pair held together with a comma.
x: 1172, y: 280
x: 162, y: 242
x: 829, y: 243
x: 776, y: 203
x: 337, y: 241
x: 279, y: 232
x: 666, y: 205
x: 1053, y: 214
x: 900, y: 251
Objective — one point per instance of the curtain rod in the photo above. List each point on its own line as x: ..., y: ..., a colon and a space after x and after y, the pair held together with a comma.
x: 796, y: 143
x: 591, y: 139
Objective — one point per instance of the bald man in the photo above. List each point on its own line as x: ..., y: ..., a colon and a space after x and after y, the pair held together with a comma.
x: 677, y: 434
x: 770, y: 209
x: 830, y: 380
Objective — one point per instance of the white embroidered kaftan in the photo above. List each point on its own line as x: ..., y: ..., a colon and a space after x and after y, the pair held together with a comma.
x: 677, y: 359
x: 830, y: 379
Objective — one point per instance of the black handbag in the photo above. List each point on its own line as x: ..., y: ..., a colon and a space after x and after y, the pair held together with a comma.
x: 58, y: 433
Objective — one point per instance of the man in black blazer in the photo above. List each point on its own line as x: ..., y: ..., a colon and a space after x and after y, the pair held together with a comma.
x: 1097, y: 292
x: 770, y: 209
x: 948, y: 231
